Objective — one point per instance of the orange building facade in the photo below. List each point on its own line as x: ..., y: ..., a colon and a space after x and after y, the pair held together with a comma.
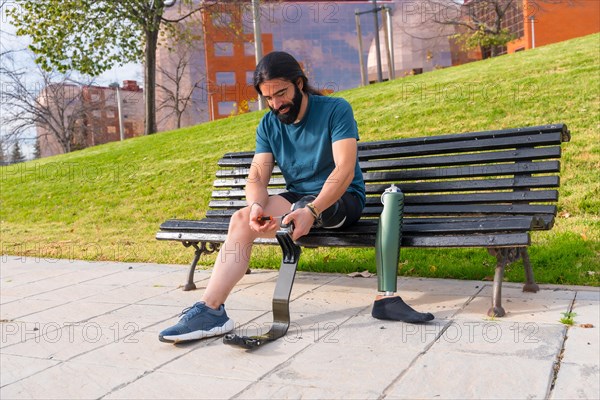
x: 550, y: 22
x: 230, y: 60
x: 92, y: 112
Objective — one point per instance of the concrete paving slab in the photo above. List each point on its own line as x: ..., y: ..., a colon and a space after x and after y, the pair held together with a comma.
x: 136, y: 317
x: 69, y: 293
x: 71, y: 380
x: 520, y: 309
x: 75, y: 311
x: 577, y: 381
x: 162, y: 385
x: 19, y: 309
x: 63, y: 342
x: 454, y: 375
x: 18, y: 367
x: 13, y: 332
x: 499, y: 338
x: 127, y: 294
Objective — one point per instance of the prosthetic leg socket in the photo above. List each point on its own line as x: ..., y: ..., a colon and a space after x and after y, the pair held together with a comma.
x: 387, y: 241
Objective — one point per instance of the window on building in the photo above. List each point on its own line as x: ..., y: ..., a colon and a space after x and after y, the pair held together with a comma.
x: 250, y: 78
x: 248, y: 48
x: 226, y: 107
x: 223, y: 49
x: 225, y: 78
x: 222, y: 20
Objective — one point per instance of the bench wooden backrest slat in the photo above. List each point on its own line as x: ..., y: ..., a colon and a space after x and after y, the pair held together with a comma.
x: 240, y: 168
x: 466, y: 171
x: 462, y: 146
x: 518, y: 182
x: 519, y: 168
x: 472, y: 198
x: 453, y: 137
x: 437, y: 210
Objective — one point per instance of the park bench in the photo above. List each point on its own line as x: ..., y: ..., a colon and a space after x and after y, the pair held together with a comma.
x: 480, y: 189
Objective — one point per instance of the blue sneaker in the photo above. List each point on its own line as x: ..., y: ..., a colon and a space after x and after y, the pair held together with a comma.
x: 197, y: 322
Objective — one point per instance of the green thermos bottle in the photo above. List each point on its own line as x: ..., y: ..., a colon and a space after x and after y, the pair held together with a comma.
x: 388, y: 239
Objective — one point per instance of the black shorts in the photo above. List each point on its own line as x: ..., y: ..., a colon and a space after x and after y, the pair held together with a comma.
x: 348, y: 206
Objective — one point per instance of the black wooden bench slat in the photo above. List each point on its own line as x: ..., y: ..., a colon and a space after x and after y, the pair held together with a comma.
x: 461, y: 172
x: 471, y: 240
x: 474, y: 209
x: 452, y: 137
x: 519, y: 182
x: 240, y: 165
x: 476, y: 198
x: 478, y: 209
x: 455, y: 137
x: 520, y: 168
x: 471, y: 198
x: 462, y: 147
x: 541, y: 221
x: 524, y: 154
x: 367, y: 227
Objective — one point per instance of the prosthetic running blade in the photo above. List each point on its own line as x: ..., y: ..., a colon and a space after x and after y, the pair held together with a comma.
x: 281, y: 296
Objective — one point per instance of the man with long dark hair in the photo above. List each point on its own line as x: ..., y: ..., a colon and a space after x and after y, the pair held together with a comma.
x: 313, y: 139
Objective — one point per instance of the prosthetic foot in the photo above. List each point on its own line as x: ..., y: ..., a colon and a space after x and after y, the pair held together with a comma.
x: 281, y: 296
x: 387, y: 249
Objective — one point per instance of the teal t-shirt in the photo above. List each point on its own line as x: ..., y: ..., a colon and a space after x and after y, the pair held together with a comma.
x: 303, y: 151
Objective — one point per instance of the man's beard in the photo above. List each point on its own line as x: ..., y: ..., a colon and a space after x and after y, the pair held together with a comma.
x: 294, y: 108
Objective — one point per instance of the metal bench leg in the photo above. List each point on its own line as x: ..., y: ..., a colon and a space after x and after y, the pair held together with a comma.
x: 205, y: 248
x: 530, y: 285
x: 502, y: 257
x: 281, y: 298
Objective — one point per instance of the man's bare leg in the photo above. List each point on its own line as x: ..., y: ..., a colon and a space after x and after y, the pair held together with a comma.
x: 233, y: 258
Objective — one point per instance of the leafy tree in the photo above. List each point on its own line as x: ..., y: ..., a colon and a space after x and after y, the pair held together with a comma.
x: 92, y: 36
x: 16, y: 156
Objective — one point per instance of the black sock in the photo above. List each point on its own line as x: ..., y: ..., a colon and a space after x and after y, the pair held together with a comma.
x: 394, y: 308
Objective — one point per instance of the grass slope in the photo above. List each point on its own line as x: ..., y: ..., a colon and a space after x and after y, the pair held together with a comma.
x: 106, y: 202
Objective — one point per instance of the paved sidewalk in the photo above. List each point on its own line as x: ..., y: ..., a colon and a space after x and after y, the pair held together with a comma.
x: 78, y: 330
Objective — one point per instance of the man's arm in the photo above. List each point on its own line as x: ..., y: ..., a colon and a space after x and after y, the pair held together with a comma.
x: 344, y: 156
x: 257, y: 195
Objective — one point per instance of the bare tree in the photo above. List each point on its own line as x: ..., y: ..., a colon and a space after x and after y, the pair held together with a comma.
x: 39, y: 99
x: 178, y: 84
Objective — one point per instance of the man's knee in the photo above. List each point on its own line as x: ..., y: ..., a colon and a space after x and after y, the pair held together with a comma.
x: 240, y: 219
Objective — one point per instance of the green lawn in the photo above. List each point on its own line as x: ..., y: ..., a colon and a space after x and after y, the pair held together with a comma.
x: 106, y: 202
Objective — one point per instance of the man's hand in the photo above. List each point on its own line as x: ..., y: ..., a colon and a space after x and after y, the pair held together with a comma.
x: 257, y: 223
x: 303, y: 220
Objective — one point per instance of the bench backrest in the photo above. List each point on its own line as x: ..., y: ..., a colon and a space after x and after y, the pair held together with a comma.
x: 502, y: 172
